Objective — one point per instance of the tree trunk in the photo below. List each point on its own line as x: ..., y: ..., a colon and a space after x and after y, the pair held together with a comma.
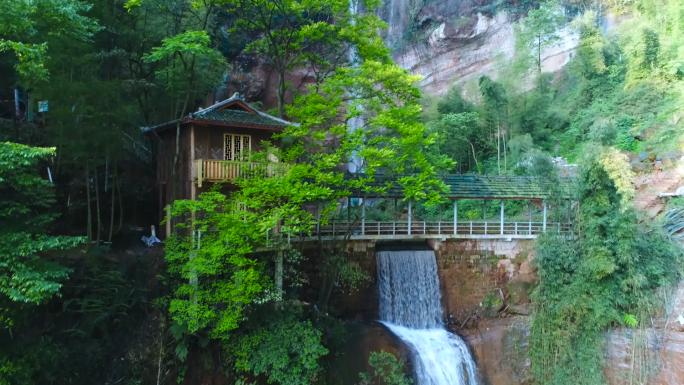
x: 90, y: 214
x: 279, y: 274
x: 111, y: 214
x: 97, y: 207
x: 498, y: 145
x: 504, y: 152
x: 281, y: 93
x: 118, y: 190
x: 474, y: 157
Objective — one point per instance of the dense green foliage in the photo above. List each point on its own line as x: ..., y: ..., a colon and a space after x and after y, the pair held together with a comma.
x: 386, y: 368
x: 608, y: 274
x: 24, y: 220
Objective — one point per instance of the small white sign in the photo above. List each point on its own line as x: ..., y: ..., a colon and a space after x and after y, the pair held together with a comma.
x: 43, y: 106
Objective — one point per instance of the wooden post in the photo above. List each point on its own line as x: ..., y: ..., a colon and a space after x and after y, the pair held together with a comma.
x: 409, y: 217
x: 544, y: 223
x: 502, y: 217
x: 484, y: 210
x: 455, y: 217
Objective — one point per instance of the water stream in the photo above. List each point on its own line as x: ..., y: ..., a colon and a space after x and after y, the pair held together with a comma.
x: 410, y: 307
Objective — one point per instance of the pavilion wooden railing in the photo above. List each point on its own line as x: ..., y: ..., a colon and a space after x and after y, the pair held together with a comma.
x: 226, y: 170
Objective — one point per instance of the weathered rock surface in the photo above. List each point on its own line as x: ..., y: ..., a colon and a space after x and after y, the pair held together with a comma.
x: 500, y: 348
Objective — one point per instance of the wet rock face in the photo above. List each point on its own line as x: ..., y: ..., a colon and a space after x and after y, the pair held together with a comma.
x: 652, y: 356
x: 500, y: 349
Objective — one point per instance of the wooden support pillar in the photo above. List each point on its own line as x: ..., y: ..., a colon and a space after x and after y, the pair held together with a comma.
x: 544, y: 223
x: 409, y: 217
x: 502, y: 217
x: 348, y: 210
x: 455, y: 216
x: 484, y: 210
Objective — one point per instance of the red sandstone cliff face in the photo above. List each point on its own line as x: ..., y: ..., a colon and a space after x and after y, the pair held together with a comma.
x: 445, y: 41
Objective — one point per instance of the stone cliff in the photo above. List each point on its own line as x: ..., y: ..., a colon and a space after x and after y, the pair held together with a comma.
x: 445, y: 41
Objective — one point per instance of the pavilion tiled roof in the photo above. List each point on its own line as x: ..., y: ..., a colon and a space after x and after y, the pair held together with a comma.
x: 493, y: 187
x: 239, y: 117
x: 245, y: 116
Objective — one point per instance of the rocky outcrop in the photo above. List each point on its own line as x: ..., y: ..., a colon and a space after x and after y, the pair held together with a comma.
x: 469, y: 47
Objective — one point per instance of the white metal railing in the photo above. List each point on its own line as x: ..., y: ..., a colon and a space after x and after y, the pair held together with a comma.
x: 226, y: 170
x: 463, y: 230
x: 334, y: 229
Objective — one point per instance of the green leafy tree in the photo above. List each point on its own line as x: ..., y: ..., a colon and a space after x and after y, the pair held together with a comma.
x: 286, y: 349
x: 387, y: 369
x: 193, y: 65
x: 218, y: 278
x: 26, y: 274
x: 295, y: 33
x: 539, y: 30
x: 496, y: 115
x: 26, y: 27
x: 463, y: 127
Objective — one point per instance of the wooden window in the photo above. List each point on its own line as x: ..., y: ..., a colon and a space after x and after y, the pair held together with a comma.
x: 237, y: 147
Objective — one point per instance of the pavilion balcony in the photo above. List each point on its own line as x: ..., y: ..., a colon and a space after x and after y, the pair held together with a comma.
x: 212, y: 170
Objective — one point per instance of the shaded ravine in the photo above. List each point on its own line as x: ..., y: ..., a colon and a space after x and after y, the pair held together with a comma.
x: 410, y: 307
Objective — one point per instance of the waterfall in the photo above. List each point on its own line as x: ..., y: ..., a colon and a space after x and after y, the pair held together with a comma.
x: 355, y: 164
x: 410, y: 308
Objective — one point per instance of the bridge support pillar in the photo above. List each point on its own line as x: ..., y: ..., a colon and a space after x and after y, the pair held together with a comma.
x: 409, y: 217
x: 529, y: 208
x: 484, y: 210
x: 455, y: 216
x: 318, y: 217
x: 502, y: 217
x: 363, y: 217
x: 544, y: 224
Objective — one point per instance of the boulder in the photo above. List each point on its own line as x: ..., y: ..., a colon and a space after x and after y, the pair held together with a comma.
x: 672, y: 155
x: 520, y: 309
x: 526, y: 268
x: 519, y: 291
x: 630, y: 155
x: 641, y: 167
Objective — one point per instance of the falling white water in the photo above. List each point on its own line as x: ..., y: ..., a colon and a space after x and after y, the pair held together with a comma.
x: 355, y: 164
x: 410, y: 308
